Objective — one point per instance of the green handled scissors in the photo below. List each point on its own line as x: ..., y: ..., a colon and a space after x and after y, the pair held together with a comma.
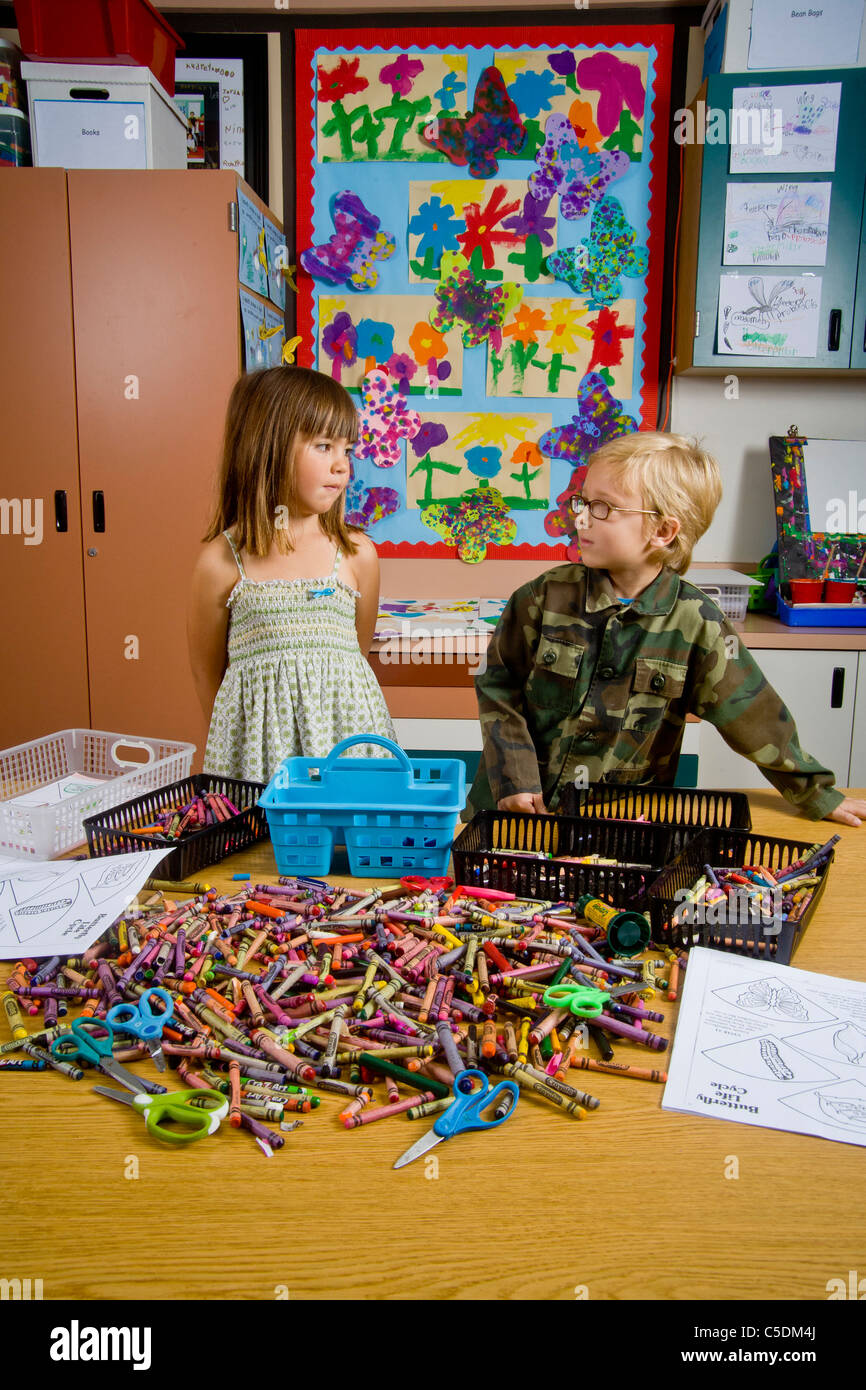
x: 581, y: 999
x: 198, y: 1112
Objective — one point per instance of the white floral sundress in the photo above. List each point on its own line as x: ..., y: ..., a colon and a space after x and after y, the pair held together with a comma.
x: 296, y: 682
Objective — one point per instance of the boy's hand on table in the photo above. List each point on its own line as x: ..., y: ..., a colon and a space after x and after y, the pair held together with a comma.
x: 848, y: 812
x: 534, y: 803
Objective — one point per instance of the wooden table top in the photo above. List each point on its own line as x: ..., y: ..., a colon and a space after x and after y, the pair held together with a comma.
x: 632, y: 1203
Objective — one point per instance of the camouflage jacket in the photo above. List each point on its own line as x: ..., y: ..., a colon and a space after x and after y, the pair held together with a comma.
x: 579, y: 685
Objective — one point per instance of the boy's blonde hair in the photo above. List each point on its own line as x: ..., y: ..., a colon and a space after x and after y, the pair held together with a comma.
x: 270, y: 412
x: 674, y: 476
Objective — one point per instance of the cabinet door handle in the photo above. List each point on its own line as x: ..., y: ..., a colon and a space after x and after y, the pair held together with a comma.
x: 835, y: 331
x: 98, y: 511
x: 837, y: 688
x: 60, y: 518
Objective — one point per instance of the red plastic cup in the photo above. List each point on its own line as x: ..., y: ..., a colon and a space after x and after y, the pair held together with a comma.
x: 807, y: 590
x: 840, y: 590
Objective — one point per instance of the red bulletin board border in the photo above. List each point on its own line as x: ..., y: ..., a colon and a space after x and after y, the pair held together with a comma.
x: 661, y: 36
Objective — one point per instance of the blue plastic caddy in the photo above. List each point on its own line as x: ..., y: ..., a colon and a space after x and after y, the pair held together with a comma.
x: 394, y: 815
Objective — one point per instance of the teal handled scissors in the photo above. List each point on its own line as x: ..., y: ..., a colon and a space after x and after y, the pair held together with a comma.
x: 91, y: 1040
x: 198, y: 1112
x: 140, y: 1020
x: 464, y: 1112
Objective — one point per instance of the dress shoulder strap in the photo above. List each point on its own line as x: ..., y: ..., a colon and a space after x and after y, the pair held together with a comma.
x: 338, y: 555
x: 235, y: 553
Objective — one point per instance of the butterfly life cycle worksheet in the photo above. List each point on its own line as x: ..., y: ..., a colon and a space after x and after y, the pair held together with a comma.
x: 769, y: 1045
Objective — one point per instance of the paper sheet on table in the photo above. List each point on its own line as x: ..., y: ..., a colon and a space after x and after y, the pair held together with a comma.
x: 55, y: 792
x: 769, y: 315
x: 775, y: 224
x: 772, y: 1046
x: 785, y: 130
x: 60, y: 907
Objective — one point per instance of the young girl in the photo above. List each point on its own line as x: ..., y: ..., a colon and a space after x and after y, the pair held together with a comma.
x: 285, y: 594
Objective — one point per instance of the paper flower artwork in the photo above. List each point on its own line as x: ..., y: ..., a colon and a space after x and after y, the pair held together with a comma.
x: 357, y: 243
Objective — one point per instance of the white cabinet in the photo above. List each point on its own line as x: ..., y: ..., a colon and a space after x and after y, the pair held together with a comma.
x: 819, y: 688
x: 857, y: 774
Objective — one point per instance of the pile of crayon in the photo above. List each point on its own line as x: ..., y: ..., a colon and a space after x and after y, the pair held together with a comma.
x: 782, y: 894
x: 316, y: 988
x: 210, y: 808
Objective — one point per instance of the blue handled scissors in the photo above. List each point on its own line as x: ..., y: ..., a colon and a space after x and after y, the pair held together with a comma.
x: 198, y: 1112
x: 85, y: 1043
x: 464, y: 1112
x: 140, y: 1020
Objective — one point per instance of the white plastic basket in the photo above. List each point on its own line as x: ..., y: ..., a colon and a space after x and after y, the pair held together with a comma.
x: 129, y: 764
x: 728, y: 588
x: 733, y: 599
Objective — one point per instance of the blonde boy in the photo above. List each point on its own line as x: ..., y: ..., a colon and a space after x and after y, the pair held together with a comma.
x: 593, y: 667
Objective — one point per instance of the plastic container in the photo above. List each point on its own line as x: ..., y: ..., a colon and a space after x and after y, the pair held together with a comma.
x: 14, y: 138
x: 107, y: 833
x: 750, y: 936
x: 395, y: 816
x: 807, y: 590
x: 685, y: 809
x: 46, y: 831
x: 128, y: 32
x: 840, y: 590
x: 821, y: 614
x: 509, y: 850
x: 728, y: 588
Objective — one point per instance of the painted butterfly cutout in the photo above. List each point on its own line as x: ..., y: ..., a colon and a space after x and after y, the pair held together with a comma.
x: 494, y: 124
x: 384, y: 418
x: 348, y: 258
x: 600, y: 417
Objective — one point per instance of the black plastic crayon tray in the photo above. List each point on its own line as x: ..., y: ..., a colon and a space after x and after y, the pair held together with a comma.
x: 108, y: 833
x: 744, y: 934
x: 686, y: 809
x: 484, y: 856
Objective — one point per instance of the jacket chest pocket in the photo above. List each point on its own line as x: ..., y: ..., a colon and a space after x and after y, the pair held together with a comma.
x: 656, y: 683
x: 553, y: 679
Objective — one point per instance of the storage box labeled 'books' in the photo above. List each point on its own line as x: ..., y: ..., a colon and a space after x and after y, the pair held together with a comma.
x: 101, y: 117
x: 395, y: 816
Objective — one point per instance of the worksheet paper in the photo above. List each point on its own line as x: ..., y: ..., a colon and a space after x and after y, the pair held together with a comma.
x: 769, y: 1045
x: 786, y: 129
x: 61, y: 907
x: 769, y: 315
x: 777, y: 224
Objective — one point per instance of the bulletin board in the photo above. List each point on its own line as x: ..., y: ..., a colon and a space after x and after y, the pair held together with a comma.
x: 480, y: 235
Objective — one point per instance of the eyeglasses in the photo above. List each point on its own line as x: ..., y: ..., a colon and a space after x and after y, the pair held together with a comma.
x: 601, y: 510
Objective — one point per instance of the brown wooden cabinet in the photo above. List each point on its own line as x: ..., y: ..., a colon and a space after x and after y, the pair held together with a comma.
x: 120, y: 292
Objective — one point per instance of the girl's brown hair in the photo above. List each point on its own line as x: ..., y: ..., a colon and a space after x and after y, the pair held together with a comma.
x: 269, y: 414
